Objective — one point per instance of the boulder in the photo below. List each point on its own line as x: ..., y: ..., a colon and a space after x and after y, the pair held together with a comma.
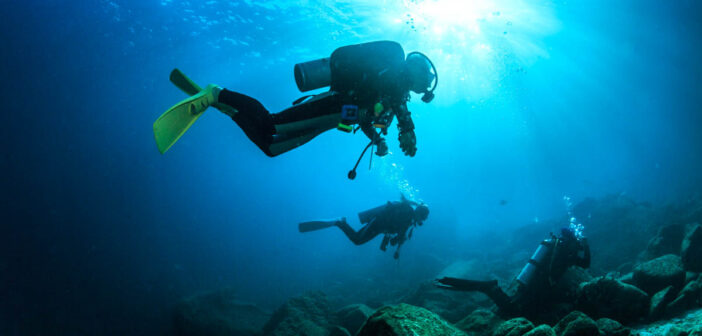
x: 691, y: 276
x: 542, y: 330
x: 660, y: 300
x: 627, y: 278
x: 480, y: 322
x: 407, y: 320
x: 309, y: 315
x: 689, y: 297
x: 659, y: 273
x: 606, y: 297
x: 450, y: 305
x: 576, y: 324
x: 353, y: 316
x: 514, y: 327
x: 218, y: 313
x: 609, y: 327
x: 667, y: 241
x: 339, y: 331
x: 691, y: 250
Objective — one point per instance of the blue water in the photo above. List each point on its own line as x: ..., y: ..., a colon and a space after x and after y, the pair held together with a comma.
x: 537, y: 100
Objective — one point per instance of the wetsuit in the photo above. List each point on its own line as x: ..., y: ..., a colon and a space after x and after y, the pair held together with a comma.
x: 361, y: 75
x: 528, y: 298
x: 394, y: 220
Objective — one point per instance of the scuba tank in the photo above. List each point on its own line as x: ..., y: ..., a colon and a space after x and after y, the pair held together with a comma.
x: 536, y: 261
x: 369, y: 215
x: 313, y: 75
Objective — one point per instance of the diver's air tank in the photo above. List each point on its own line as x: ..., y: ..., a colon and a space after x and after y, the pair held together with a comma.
x: 313, y: 74
x: 537, y: 260
x: 367, y: 216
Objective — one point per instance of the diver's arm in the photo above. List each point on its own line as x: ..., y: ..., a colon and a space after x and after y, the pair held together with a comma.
x: 408, y: 140
x: 372, y: 135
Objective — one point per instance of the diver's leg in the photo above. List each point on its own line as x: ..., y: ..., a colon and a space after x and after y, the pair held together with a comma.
x: 359, y: 237
x: 300, y: 123
x: 489, y: 288
x: 252, y: 117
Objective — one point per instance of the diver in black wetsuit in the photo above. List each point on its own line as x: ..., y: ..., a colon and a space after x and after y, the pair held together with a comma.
x: 395, y: 220
x: 533, y: 284
x: 369, y: 86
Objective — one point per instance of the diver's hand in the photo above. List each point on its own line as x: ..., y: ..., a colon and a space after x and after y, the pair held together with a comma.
x: 382, y: 147
x: 408, y: 142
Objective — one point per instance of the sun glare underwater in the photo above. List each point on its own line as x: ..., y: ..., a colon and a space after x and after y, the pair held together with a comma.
x: 548, y: 114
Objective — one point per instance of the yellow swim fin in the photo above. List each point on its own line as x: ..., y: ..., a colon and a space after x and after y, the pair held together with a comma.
x: 172, y: 124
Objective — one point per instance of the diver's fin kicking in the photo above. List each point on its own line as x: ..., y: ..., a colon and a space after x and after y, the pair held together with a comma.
x: 316, y: 225
x: 172, y: 124
x: 185, y: 84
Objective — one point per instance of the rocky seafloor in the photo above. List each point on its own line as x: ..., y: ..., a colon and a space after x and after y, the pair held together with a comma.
x: 645, y: 279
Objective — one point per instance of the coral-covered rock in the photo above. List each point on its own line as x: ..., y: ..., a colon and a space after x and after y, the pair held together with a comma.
x: 514, y: 327
x: 353, y: 316
x: 480, y: 323
x: 609, y: 327
x: 576, y: 324
x: 309, y: 314
x: 218, y: 313
x: 691, y: 251
x: 542, y: 330
x: 659, y: 273
x: 407, y: 320
x: 660, y: 300
x: 606, y: 297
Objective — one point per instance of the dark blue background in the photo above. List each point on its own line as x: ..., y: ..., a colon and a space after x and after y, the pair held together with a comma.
x: 101, y: 234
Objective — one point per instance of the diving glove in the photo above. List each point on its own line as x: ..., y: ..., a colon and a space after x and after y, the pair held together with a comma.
x: 382, y: 147
x: 408, y: 142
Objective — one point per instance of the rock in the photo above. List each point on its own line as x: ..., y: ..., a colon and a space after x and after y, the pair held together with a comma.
x: 660, y: 300
x: 675, y: 331
x: 667, y: 241
x: 450, y: 305
x: 576, y: 324
x: 338, y: 331
x: 305, y: 315
x: 659, y: 273
x: 688, y: 324
x: 542, y: 330
x: 691, y: 276
x: 218, y: 313
x: 352, y: 317
x: 480, y: 322
x: 609, y: 327
x: 514, y: 327
x: 606, y: 297
x: 691, y: 250
x: 628, y: 278
x: 689, y: 297
x: 406, y: 320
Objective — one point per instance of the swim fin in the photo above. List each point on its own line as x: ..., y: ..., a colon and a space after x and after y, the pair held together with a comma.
x: 172, y: 124
x: 316, y: 225
x: 185, y: 84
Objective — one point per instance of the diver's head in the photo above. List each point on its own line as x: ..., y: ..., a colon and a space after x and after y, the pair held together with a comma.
x: 421, y: 77
x: 421, y: 213
x: 568, y: 234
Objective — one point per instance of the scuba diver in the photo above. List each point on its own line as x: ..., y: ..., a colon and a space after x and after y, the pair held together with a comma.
x: 368, y: 83
x: 395, y: 220
x: 534, y: 284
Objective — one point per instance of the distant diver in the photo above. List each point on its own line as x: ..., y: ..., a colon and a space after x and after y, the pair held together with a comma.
x: 533, y: 286
x: 369, y: 86
x: 395, y: 220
